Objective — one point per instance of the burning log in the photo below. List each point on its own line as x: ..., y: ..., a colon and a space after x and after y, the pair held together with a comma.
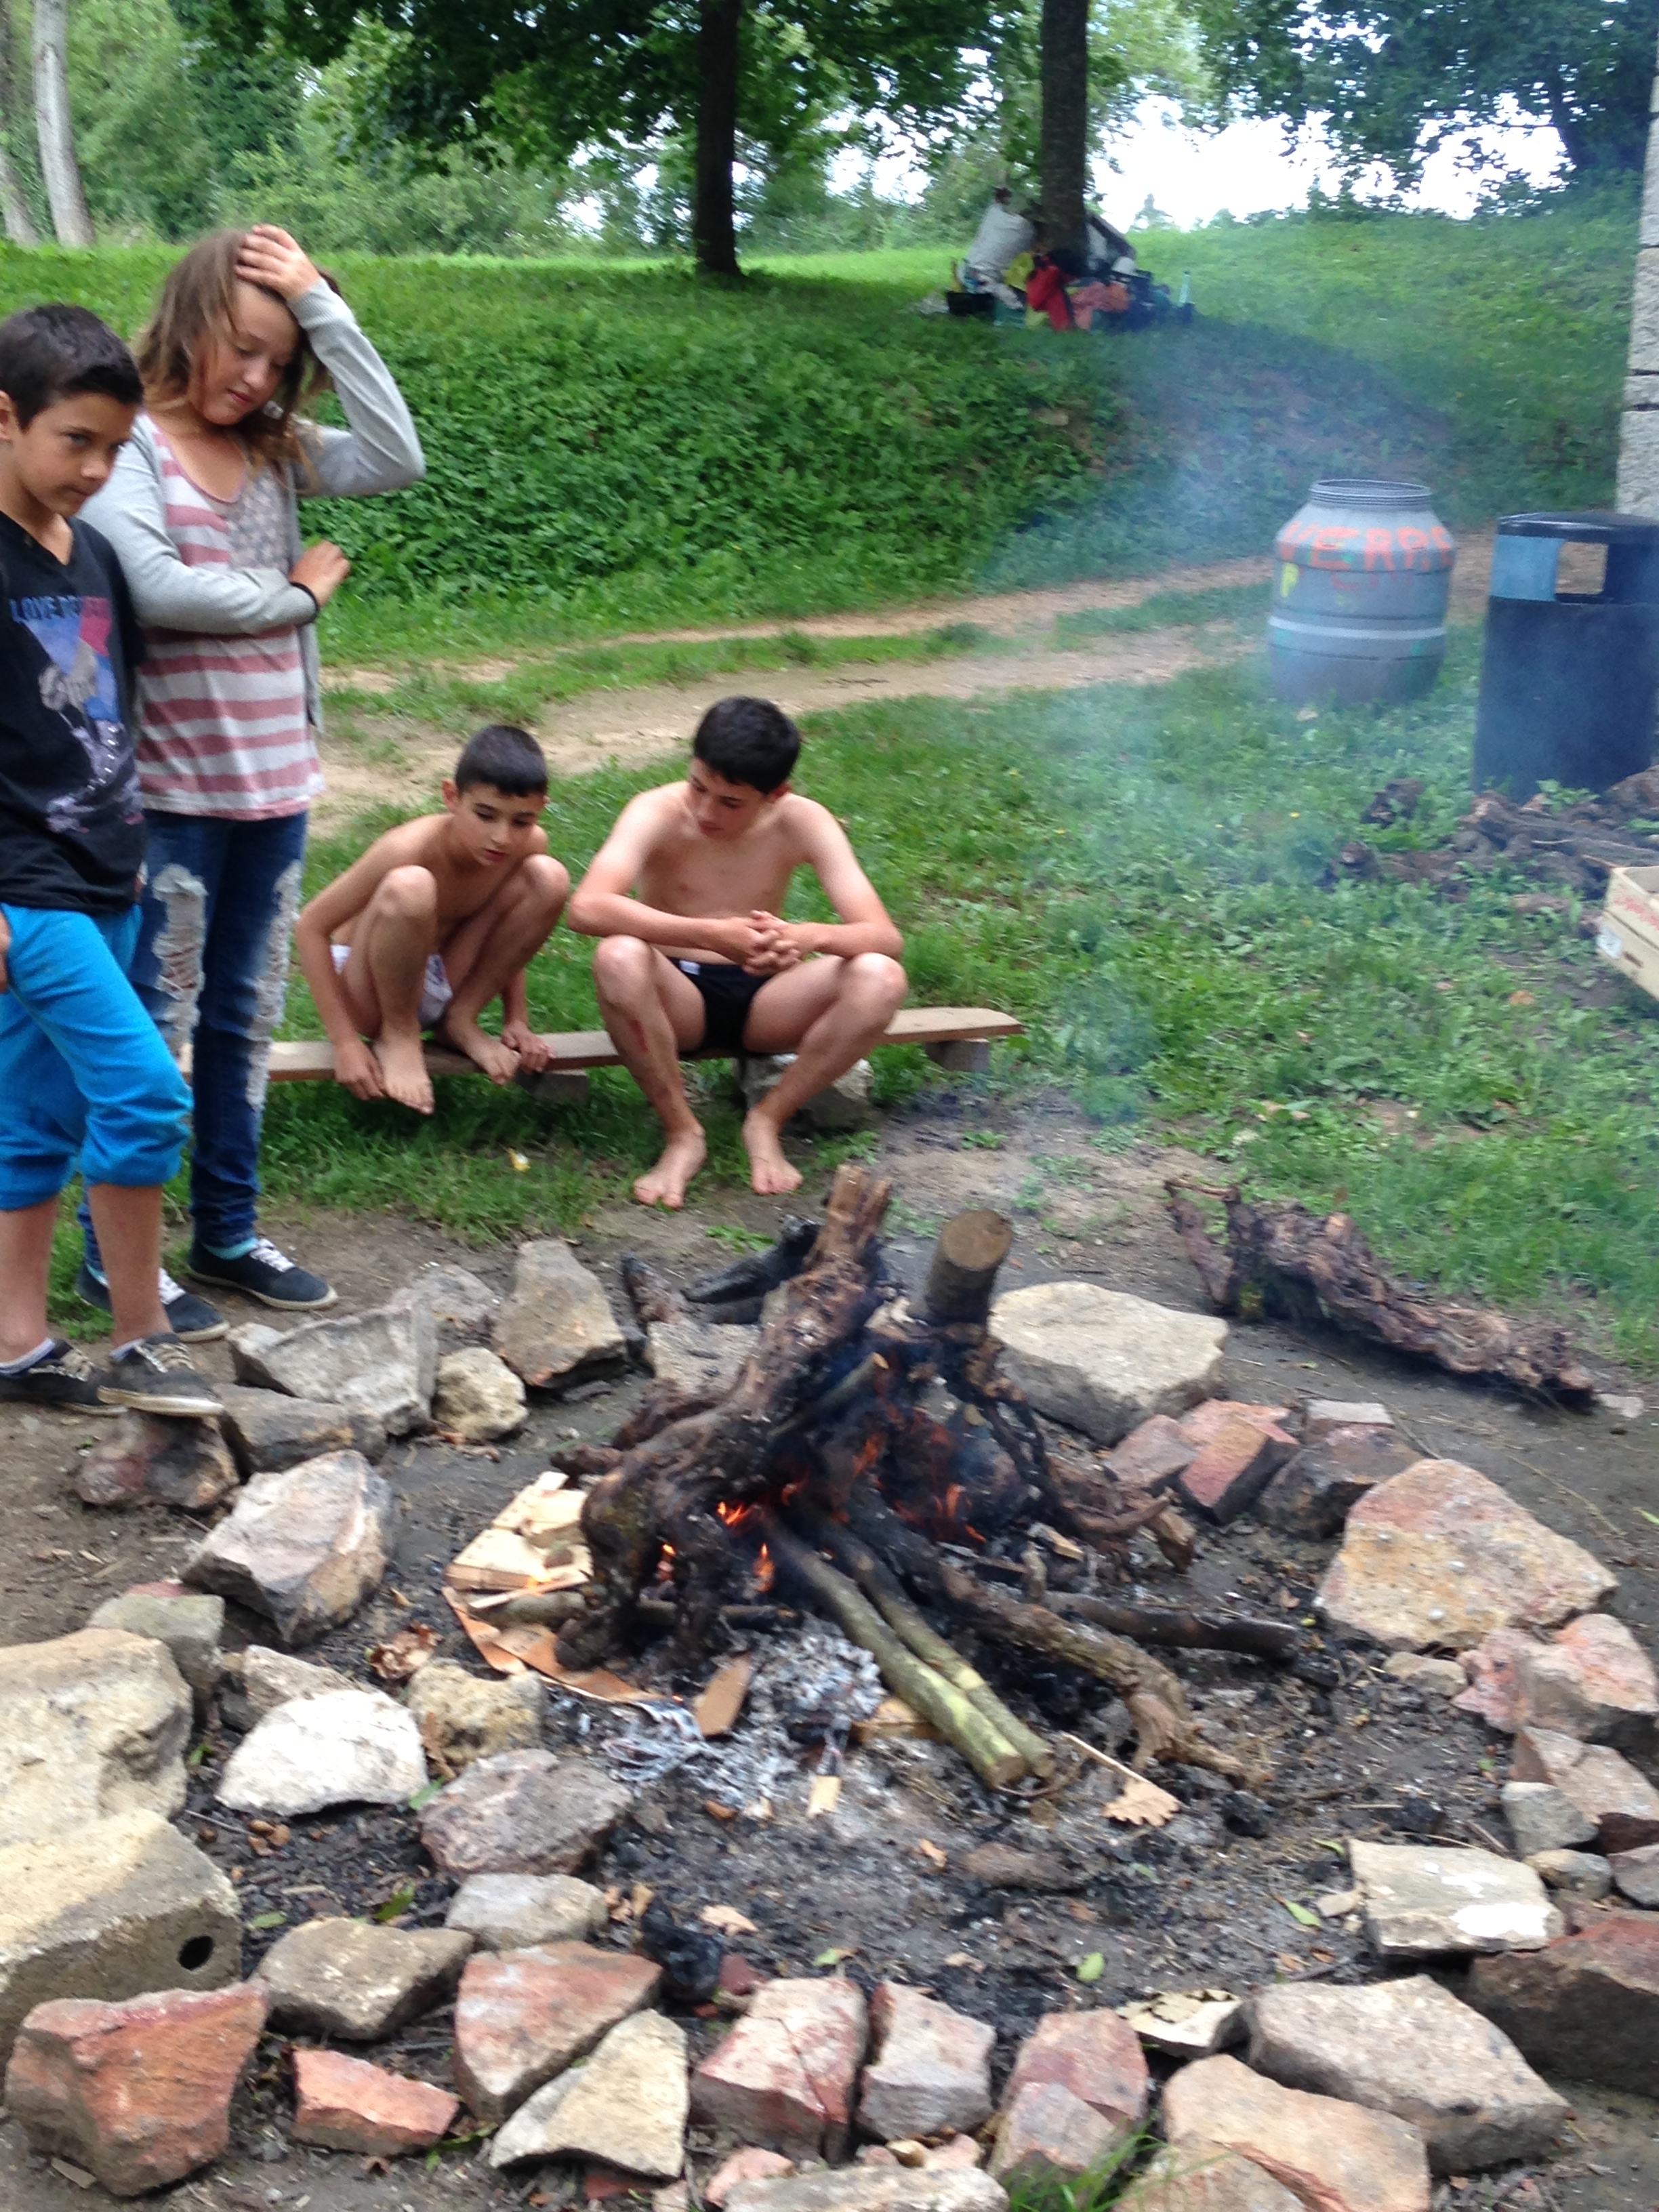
x: 856, y: 1430
x: 1280, y: 1258
x: 1176, y: 1628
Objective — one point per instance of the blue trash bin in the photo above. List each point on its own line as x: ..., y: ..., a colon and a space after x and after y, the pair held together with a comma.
x: 1570, y: 681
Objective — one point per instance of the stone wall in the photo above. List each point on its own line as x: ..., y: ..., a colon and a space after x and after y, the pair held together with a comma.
x: 1639, y: 436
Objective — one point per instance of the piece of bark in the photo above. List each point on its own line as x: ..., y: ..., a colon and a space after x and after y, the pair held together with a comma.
x: 655, y: 1298
x: 970, y: 1250
x: 1282, y: 1260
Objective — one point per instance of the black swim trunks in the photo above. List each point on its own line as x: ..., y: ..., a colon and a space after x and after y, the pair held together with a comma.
x: 728, y: 993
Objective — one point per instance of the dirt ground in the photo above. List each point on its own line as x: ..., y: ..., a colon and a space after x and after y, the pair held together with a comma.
x: 1197, y: 1903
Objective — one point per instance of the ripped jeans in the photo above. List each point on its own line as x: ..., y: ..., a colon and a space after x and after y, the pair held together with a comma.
x: 212, y: 969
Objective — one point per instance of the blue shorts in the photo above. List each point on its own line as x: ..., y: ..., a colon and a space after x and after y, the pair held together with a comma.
x: 85, y: 1075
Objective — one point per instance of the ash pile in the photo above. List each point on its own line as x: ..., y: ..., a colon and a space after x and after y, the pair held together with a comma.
x: 928, y: 1757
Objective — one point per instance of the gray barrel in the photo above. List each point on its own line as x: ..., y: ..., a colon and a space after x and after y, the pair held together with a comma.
x: 1360, y: 593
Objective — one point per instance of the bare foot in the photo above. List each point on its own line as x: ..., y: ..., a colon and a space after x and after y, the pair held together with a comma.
x: 770, y: 1172
x: 499, y: 1062
x: 666, y: 1184
x: 403, y: 1070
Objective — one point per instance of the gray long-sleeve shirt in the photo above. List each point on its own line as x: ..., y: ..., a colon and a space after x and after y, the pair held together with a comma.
x: 380, y: 451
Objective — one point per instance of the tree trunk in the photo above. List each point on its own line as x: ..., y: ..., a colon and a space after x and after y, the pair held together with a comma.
x: 1064, y: 153
x: 58, y: 165
x: 13, y: 208
x: 714, y: 229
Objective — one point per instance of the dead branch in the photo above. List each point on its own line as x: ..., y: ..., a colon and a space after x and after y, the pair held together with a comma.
x: 1178, y: 1629
x: 1280, y: 1258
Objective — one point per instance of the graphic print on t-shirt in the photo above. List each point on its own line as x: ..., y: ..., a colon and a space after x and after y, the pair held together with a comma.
x: 78, y: 683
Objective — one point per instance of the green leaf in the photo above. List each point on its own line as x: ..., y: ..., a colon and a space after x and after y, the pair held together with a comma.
x: 1300, y: 1914
x: 1092, y: 1968
x: 264, y: 1920
x: 833, y: 1955
x: 1646, y: 1516
x: 201, y: 1750
x: 396, y: 1905
x: 424, y: 1796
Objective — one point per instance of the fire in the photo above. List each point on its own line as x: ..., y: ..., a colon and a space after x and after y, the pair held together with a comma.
x: 765, y: 1572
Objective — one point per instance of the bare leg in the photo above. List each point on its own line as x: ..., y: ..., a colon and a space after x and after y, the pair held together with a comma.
x: 829, y: 1013
x: 487, y: 951
x: 129, y: 1227
x: 25, y: 1270
x: 655, y: 1013
x: 395, y: 935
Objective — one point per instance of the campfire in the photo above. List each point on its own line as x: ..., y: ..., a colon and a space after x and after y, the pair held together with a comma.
x: 874, y: 1463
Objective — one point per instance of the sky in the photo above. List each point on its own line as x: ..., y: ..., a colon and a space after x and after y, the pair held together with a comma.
x: 1192, y: 175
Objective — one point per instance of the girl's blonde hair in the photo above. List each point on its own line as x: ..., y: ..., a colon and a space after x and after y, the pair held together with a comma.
x: 199, y: 296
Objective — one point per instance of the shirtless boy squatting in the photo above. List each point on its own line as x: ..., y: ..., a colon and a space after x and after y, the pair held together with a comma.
x: 686, y: 893
x: 438, y: 919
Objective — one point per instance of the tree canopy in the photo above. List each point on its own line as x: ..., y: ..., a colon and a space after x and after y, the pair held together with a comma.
x: 1394, y: 80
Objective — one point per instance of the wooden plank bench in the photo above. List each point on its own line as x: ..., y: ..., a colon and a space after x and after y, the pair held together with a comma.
x: 958, y: 1037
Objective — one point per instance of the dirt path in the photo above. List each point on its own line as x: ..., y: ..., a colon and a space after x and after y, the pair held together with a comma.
x: 631, y: 727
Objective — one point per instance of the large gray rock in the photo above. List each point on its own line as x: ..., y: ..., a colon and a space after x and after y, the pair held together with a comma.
x: 1575, y: 1873
x: 556, y: 1328
x: 1424, y: 1900
x: 930, y: 2071
x: 513, y: 1911
x: 463, y: 1718
x: 1603, y: 1784
x: 625, y: 2106
x: 698, y: 1355
x: 1636, y: 1873
x: 343, y: 1747
x: 270, y: 1679
x: 383, y: 1363
x: 267, y: 1431
x: 112, y: 1909
x: 1542, y: 1818
x: 91, y: 1725
x: 351, y: 1979
x: 479, y: 1398
x: 522, y: 1812
x: 462, y: 1306
x: 1408, y: 2047
x: 846, y: 1104
x: 190, y: 1626
x: 1440, y: 1557
x: 184, y: 1463
x: 1103, y: 1362
x: 304, y: 1547
x: 872, y: 2189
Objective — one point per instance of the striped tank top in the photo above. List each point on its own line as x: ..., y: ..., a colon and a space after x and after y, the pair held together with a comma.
x: 221, y: 720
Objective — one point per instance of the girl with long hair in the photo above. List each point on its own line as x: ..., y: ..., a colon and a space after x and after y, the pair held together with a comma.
x: 203, y: 512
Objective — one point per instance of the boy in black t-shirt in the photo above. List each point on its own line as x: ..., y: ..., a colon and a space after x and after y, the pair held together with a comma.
x: 85, y: 1078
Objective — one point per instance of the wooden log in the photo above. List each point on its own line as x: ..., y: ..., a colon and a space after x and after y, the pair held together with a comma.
x: 668, y: 1487
x: 971, y: 1247
x: 854, y: 1557
x: 1176, y: 1627
x: 992, y: 1757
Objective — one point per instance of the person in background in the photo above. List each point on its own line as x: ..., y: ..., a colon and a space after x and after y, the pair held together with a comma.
x: 202, y: 512
x: 1003, y: 236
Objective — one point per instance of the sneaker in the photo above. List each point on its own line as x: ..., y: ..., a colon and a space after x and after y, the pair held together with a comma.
x: 155, y: 1375
x: 194, y: 1321
x: 265, y: 1273
x: 64, y: 1377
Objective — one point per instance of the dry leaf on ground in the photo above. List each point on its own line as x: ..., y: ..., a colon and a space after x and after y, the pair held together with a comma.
x: 405, y: 1655
x: 727, y: 1919
x: 1142, y: 1804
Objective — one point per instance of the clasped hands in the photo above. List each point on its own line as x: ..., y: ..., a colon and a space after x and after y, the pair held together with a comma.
x: 761, y: 944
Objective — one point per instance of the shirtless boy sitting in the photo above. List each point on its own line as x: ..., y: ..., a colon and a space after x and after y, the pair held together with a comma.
x: 440, y: 917
x: 686, y: 893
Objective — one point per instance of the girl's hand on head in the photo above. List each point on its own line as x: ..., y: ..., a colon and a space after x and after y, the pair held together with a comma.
x: 321, y: 569
x: 271, y: 258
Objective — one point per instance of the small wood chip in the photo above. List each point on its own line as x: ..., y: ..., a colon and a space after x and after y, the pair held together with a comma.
x: 727, y: 1919
x: 823, y: 1796
x: 77, y: 2174
x: 716, y: 1709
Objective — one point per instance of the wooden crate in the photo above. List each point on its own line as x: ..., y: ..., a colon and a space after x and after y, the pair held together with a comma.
x: 1629, y: 934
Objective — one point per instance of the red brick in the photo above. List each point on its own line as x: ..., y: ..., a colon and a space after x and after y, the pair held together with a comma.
x: 1150, y: 1456
x: 784, y: 2077
x: 1586, y: 2005
x: 1046, y: 2132
x: 1606, y: 1789
x: 346, y: 2104
x: 1094, y: 2055
x: 1234, y: 1465
x: 1204, y: 1421
x: 523, y: 2016
x: 139, y: 2094
x: 746, y: 2165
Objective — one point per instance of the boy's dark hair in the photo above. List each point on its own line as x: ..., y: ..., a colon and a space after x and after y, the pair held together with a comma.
x: 748, y: 741
x: 52, y: 353
x: 509, y: 759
